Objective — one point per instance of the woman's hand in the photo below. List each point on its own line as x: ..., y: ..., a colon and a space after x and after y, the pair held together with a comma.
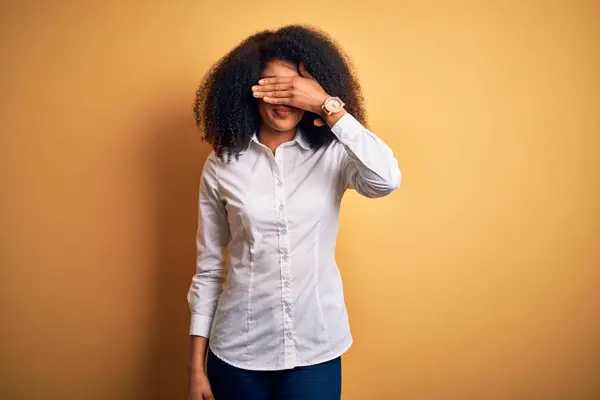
x: 199, y: 387
x: 302, y: 91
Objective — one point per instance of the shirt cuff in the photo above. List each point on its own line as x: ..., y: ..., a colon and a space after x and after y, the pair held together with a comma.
x: 347, y: 127
x: 200, y: 325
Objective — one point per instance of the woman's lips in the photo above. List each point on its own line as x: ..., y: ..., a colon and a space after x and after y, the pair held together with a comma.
x: 283, y: 111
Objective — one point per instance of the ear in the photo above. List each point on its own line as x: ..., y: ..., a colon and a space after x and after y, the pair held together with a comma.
x: 303, y: 72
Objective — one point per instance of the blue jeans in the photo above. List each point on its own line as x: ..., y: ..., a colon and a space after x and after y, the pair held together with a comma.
x: 313, y: 382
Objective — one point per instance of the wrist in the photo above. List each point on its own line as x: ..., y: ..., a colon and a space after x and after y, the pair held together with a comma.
x: 331, y: 105
x: 196, y: 369
x: 332, y: 119
x: 329, y: 119
x: 318, y: 107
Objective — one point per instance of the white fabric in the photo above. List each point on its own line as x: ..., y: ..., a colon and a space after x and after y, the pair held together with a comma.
x: 276, y: 301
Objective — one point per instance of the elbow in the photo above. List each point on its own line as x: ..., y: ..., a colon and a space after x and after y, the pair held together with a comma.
x: 396, y: 180
x: 385, y: 187
x: 393, y: 181
x: 380, y: 190
x: 386, y: 190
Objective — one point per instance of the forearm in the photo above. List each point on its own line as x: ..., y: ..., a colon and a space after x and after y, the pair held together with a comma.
x: 198, y: 347
x: 368, y: 164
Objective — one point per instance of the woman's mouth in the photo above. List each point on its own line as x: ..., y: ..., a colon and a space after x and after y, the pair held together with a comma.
x: 283, y: 111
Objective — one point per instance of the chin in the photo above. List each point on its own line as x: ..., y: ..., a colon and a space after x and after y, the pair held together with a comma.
x: 284, y: 126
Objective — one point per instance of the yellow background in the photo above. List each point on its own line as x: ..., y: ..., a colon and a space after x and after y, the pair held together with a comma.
x: 478, y: 279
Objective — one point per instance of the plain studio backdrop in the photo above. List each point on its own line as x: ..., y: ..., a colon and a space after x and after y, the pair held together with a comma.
x: 478, y: 279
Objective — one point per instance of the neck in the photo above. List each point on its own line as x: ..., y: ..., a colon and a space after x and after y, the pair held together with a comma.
x: 272, y: 138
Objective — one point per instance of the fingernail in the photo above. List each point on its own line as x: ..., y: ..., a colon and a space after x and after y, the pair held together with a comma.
x: 254, y: 88
x: 261, y: 81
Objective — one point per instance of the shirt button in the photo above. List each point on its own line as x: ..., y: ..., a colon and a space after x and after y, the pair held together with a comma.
x: 289, y: 335
x: 288, y: 310
x: 281, y: 207
x: 285, y: 257
x: 286, y: 284
x: 284, y: 230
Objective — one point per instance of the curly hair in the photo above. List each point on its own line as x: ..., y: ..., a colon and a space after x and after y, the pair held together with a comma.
x: 225, y: 108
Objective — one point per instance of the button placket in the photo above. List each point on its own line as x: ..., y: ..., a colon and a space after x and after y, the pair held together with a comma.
x: 284, y: 258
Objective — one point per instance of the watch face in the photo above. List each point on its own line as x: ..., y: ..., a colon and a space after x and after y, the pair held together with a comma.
x: 333, y: 104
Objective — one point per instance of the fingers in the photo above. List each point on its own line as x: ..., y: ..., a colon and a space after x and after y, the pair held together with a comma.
x: 277, y: 79
x: 278, y: 100
x: 273, y: 90
x: 271, y: 87
x: 277, y: 94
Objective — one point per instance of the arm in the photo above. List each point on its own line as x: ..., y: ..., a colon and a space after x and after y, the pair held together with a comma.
x: 198, y: 384
x: 368, y: 164
x: 211, y: 241
x: 198, y: 347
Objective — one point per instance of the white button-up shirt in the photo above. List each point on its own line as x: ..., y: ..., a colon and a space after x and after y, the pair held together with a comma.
x: 267, y: 290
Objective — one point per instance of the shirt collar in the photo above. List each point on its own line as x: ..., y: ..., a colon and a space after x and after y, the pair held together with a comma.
x: 300, y: 139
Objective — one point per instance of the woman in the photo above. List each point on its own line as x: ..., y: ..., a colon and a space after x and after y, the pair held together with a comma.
x: 284, y: 115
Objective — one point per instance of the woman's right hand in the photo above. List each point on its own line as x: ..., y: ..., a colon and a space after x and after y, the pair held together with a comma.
x: 199, y: 387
